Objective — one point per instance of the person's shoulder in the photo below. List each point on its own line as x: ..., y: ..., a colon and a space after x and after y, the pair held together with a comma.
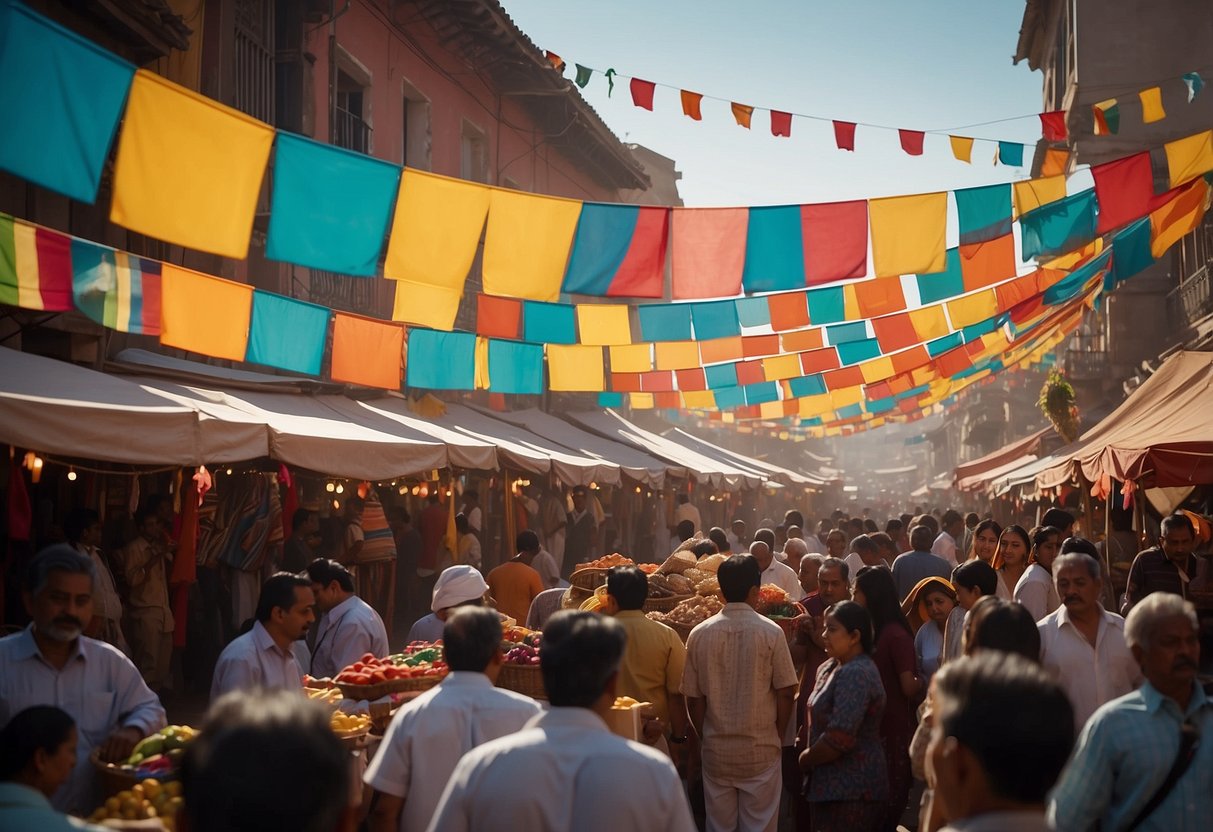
x: 511, y: 700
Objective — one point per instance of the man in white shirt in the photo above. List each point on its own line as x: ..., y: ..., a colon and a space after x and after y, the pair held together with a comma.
x: 457, y: 586
x: 52, y: 663
x: 952, y: 526
x: 348, y: 628
x: 565, y: 770
x: 739, y: 541
x: 429, y: 735
x: 263, y: 657
x: 686, y: 511
x: 469, y: 543
x: 774, y: 572
x: 471, y: 510
x: 740, y: 686
x: 1084, y: 644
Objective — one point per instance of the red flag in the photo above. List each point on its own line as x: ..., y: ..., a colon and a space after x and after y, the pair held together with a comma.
x: 844, y: 135
x: 1053, y: 126
x: 781, y: 123
x: 555, y: 60
x: 642, y: 93
x: 911, y: 141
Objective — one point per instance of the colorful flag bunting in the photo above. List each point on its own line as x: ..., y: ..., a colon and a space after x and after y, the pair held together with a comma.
x: 962, y: 148
x: 1053, y: 126
x: 575, y: 369
x: 1151, y: 105
x: 983, y: 213
x: 603, y: 325
x: 434, y: 237
x: 642, y: 93
x: 441, y: 360
x: 526, y: 244
x: 35, y: 267
x: 1030, y: 194
x: 188, y: 169
x: 1177, y: 217
x: 911, y: 141
x: 1107, y: 117
x: 1059, y: 227
x: 1189, y: 157
x: 290, y: 334
x: 552, y: 323
x: 774, y: 255
x: 62, y: 97
x: 515, y: 368
x: 115, y: 289
x: 618, y: 251
x: 330, y: 206
x: 908, y: 233
x: 717, y: 319
x: 584, y: 73
x: 1194, y: 83
x: 691, y: 103
x: 742, y: 114
x: 498, y: 317
x: 204, y: 314
x: 844, y: 135
x: 781, y: 123
x: 708, y: 251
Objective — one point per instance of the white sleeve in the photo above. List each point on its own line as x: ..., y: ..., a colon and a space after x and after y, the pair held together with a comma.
x: 390, y: 770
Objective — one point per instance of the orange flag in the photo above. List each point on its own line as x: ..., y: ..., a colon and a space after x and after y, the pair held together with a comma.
x: 742, y: 113
x: 690, y: 104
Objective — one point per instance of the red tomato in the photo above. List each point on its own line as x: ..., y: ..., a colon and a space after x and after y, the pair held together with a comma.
x: 367, y: 657
x: 359, y: 679
x: 378, y: 676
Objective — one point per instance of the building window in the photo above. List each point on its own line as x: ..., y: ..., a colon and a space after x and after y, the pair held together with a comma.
x: 254, y: 59
x: 350, y: 127
x: 474, y: 155
x: 415, y: 132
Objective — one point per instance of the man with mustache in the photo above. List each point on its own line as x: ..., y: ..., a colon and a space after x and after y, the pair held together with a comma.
x: 50, y: 662
x: 263, y: 657
x: 1145, y: 760
x: 1083, y: 644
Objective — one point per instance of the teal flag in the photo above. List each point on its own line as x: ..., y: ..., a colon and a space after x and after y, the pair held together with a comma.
x: 441, y: 360
x: 583, y: 75
x: 1059, y: 227
x: 331, y: 206
x: 287, y: 333
x: 548, y: 323
x: 665, y: 321
x: 826, y: 306
x: 943, y: 285
x: 62, y: 97
x: 983, y: 214
x: 515, y: 367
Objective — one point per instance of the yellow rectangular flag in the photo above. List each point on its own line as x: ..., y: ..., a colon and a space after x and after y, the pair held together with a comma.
x: 1190, y: 157
x: 929, y: 322
x: 641, y: 401
x: 526, y: 245
x: 204, y: 314
x: 1030, y: 194
x: 973, y: 308
x: 677, y: 355
x: 1151, y: 105
x: 909, y: 234
x: 877, y: 369
x: 188, y: 169
x: 699, y: 399
x: 482, y: 380
x: 779, y: 367
x: 575, y: 368
x: 603, y: 324
x: 962, y: 148
x: 633, y: 358
x: 433, y: 241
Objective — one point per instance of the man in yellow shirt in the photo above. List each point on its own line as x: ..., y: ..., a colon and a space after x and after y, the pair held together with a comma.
x: 515, y: 583
x: 653, y: 660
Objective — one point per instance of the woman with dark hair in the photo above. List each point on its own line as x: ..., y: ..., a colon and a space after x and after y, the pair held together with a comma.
x: 37, y: 756
x: 895, y: 659
x: 927, y: 608
x: 985, y: 541
x: 1006, y: 626
x: 1011, y: 559
x: 1035, y: 589
x: 847, y: 775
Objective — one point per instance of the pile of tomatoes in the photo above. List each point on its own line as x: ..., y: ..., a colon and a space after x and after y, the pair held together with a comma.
x: 370, y: 670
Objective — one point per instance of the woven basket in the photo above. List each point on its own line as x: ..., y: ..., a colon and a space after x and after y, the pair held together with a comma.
x: 788, y: 624
x: 589, y: 578
x: 683, y: 630
x: 526, y: 679
x: 371, y: 692
x: 113, y: 779
x: 664, y: 604
x: 574, y: 597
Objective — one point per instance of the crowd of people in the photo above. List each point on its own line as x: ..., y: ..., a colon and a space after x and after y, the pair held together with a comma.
x: 945, y: 673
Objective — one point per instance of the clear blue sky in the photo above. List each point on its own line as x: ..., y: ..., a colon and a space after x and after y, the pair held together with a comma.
x: 918, y: 64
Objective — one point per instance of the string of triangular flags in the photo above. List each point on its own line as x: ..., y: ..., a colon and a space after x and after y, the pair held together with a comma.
x: 1106, y: 114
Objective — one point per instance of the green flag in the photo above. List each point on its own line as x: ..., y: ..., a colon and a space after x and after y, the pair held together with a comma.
x: 583, y: 75
x: 610, y: 76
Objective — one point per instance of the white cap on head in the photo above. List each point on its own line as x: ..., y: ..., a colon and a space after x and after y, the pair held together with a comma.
x: 457, y: 585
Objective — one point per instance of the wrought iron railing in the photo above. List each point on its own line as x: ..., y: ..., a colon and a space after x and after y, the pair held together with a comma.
x: 339, y: 291
x: 350, y: 131
x: 1191, y: 299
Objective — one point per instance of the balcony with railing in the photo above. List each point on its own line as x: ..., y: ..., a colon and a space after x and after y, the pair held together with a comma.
x: 350, y: 131
x: 1191, y: 300
x: 339, y: 291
